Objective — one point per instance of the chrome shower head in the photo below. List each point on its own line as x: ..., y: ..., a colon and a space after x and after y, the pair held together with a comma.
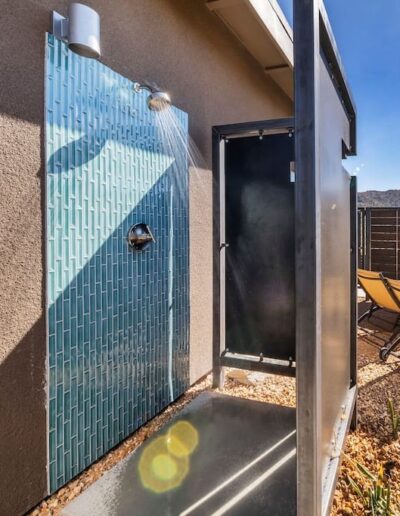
x: 157, y: 100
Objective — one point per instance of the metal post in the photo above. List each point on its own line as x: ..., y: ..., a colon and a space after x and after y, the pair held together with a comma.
x: 308, y: 243
x: 353, y: 292
x: 218, y: 372
x: 397, y: 244
x: 368, y: 238
x: 361, y: 237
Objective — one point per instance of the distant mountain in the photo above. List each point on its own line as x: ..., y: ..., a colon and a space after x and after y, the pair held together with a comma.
x: 375, y: 198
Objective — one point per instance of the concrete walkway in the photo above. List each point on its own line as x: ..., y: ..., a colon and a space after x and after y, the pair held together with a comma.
x: 220, y: 455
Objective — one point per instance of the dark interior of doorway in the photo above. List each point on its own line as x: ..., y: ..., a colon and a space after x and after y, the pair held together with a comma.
x: 260, y: 261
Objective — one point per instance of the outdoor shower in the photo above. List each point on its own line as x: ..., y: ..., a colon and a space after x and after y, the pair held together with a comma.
x: 139, y: 235
x: 81, y: 30
x: 157, y: 100
x: 117, y: 278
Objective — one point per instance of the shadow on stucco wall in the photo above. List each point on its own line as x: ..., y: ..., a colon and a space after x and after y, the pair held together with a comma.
x: 23, y: 424
x: 23, y: 429
x: 22, y: 300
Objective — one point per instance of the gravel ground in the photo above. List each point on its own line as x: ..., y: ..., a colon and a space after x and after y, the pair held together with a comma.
x: 370, y: 445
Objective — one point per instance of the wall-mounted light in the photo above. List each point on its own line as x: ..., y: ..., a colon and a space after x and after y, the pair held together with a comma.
x: 81, y: 29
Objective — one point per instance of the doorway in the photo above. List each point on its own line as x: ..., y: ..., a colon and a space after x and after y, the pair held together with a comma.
x: 259, y: 258
x: 256, y: 238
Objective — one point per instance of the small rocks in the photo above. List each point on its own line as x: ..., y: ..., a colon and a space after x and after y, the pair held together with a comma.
x: 240, y: 376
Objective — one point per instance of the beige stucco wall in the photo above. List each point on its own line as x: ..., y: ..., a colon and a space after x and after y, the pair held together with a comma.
x: 184, y: 48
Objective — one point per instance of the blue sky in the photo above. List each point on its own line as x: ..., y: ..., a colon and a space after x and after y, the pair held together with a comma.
x: 368, y: 36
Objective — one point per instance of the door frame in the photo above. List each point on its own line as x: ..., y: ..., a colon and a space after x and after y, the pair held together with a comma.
x: 222, y: 357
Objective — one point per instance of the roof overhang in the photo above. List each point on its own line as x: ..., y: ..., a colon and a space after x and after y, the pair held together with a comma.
x: 263, y: 29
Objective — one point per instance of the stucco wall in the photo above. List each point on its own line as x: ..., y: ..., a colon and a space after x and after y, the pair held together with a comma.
x: 183, y: 48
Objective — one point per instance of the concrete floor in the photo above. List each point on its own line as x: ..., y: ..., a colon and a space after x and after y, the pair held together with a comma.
x: 220, y: 455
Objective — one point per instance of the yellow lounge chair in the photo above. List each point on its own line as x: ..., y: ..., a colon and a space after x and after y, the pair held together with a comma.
x: 394, y: 287
x: 385, y: 295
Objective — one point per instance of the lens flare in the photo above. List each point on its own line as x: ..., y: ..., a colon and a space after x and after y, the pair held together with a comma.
x: 182, y: 439
x: 164, y: 463
x: 164, y: 467
x: 159, y: 470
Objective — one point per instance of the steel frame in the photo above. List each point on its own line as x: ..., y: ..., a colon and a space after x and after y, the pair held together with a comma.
x: 353, y: 291
x: 222, y: 358
x: 313, y: 38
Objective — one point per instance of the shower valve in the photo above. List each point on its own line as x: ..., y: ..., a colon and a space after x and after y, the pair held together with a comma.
x: 139, y: 237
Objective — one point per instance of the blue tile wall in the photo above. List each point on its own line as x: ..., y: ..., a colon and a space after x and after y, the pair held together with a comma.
x: 118, y: 321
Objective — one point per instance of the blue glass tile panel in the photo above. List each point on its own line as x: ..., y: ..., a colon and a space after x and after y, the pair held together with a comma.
x: 118, y: 321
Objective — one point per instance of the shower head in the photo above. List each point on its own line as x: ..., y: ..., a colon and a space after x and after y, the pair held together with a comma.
x: 157, y: 100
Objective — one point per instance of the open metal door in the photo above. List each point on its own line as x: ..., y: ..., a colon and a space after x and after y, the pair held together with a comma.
x: 325, y: 340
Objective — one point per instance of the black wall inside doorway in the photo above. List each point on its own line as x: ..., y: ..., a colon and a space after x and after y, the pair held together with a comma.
x: 260, y: 266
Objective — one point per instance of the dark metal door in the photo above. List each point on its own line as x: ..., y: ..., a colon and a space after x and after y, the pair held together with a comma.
x: 259, y: 264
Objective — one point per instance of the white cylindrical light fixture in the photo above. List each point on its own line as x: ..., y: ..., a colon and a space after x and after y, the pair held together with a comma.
x: 81, y: 30
x: 84, y: 30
